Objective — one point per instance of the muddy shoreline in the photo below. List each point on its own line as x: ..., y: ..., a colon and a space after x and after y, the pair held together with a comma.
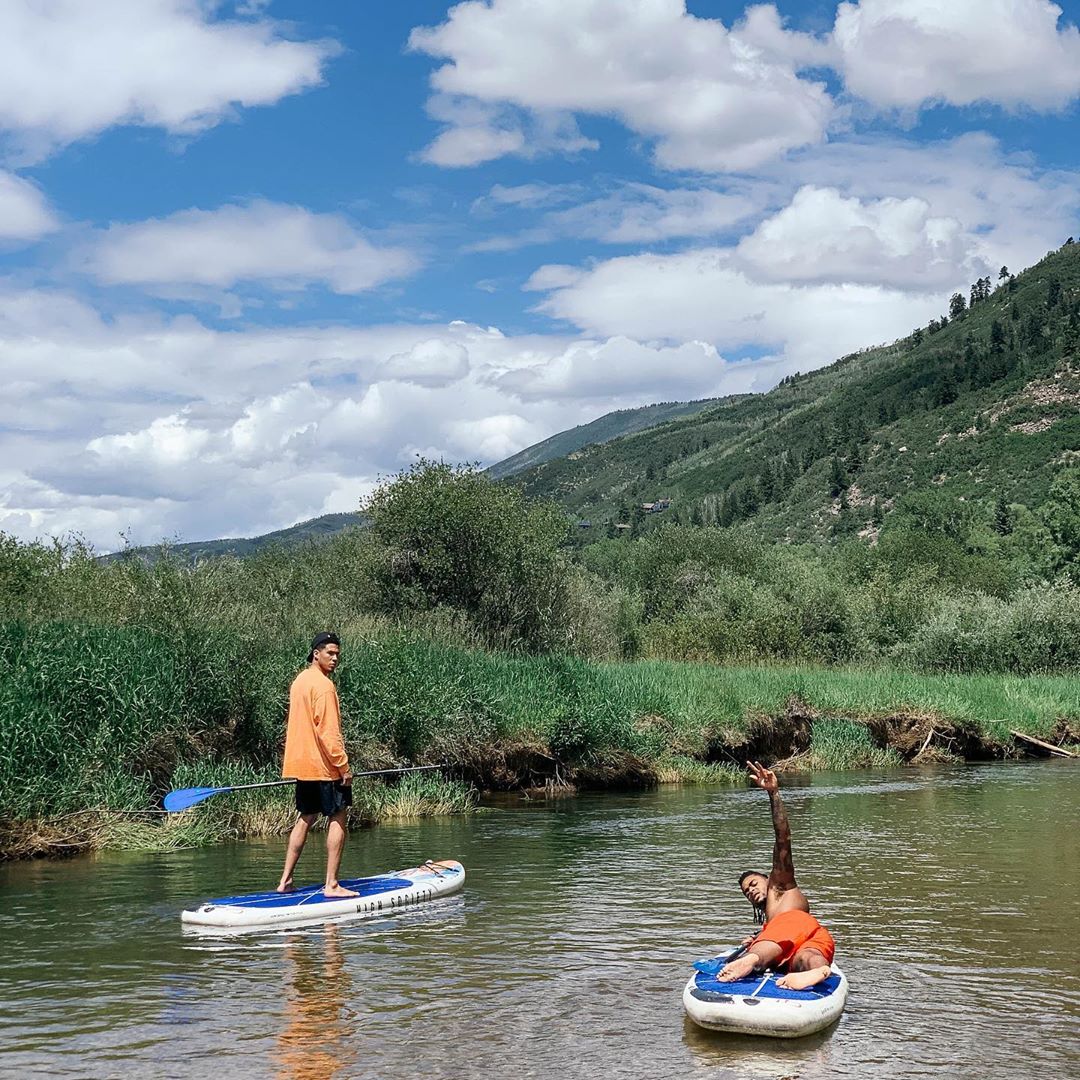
x: 786, y: 741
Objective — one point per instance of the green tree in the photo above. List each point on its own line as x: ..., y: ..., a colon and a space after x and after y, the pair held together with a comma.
x: 1061, y: 514
x: 957, y: 305
x: 1003, y: 517
x: 838, y: 480
x: 451, y: 537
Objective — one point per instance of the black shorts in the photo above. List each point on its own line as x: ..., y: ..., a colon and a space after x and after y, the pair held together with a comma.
x: 327, y: 797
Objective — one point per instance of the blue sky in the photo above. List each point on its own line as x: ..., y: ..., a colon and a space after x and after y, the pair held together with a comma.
x: 255, y: 255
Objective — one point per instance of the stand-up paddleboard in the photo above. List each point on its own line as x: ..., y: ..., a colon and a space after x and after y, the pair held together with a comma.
x: 377, y: 895
x: 757, y: 1006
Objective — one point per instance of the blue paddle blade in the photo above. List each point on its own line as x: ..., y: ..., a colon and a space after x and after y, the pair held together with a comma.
x: 176, y: 801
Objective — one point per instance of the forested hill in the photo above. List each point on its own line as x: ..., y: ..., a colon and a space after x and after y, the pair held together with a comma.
x: 978, y: 411
x: 318, y: 528
x: 603, y: 429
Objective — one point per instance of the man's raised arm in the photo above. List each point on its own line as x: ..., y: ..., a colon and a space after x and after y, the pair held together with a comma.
x: 783, y: 869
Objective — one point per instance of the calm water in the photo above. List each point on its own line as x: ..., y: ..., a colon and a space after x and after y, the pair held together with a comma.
x: 953, y: 895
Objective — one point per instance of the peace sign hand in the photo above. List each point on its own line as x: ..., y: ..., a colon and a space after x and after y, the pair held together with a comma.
x: 764, y: 778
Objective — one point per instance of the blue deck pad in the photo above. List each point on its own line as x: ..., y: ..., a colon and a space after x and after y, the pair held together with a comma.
x: 746, y: 987
x: 311, y: 895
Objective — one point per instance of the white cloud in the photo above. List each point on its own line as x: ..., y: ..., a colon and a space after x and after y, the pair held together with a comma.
x: 286, y: 247
x: 823, y: 236
x: 429, y: 363
x: 477, y: 132
x: 24, y: 211
x: 763, y: 27
x: 492, y: 438
x: 167, y: 428
x: 703, y: 295
x: 526, y: 196
x: 1011, y: 210
x: 636, y: 213
x: 905, y: 54
x: 70, y: 69
x: 712, y: 100
x: 620, y: 367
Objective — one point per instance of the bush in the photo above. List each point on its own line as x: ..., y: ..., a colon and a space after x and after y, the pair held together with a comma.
x: 450, y: 536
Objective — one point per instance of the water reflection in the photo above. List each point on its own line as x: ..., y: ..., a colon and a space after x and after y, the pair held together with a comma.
x: 317, y: 1039
x: 952, y: 894
x: 743, y: 1056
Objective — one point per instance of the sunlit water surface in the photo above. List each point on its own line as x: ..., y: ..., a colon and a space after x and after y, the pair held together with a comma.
x: 954, y: 895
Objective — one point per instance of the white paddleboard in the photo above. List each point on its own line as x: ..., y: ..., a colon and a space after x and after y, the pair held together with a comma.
x: 757, y: 1006
x: 377, y: 895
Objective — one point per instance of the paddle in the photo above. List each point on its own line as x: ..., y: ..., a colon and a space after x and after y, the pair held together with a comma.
x: 183, y: 798
x: 716, y: 965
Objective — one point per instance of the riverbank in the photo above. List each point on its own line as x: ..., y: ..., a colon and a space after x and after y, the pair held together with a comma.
x: 98, y: 723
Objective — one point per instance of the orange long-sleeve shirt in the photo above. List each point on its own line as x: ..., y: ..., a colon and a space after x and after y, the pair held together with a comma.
x: 314, y: 749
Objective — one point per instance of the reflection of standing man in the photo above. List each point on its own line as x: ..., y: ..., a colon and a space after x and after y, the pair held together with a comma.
x: 315, y: 755
x: 318, y: 1040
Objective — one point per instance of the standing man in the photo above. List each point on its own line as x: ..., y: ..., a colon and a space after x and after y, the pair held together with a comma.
x: 791, y: 937
x: 315, y: 755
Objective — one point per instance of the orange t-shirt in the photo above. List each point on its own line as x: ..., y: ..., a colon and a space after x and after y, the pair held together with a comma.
x: 314, y: 749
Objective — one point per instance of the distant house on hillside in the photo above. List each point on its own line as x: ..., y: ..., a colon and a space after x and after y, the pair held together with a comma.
x: 584, y: 524
x: 656, y: 507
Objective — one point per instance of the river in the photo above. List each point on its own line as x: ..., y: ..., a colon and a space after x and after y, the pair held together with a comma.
x: 954, y: 895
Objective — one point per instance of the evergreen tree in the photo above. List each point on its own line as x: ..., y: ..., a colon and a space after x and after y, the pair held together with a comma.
x: 1003, y: 517
x: 957, y: 305
x: 997, y: 337
x: 838, y: 480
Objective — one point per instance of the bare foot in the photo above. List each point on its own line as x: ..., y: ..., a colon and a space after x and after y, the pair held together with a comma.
x: 339, y: 892
x: 739, y: 969
x: 802, y: 980
x: 285, y: 886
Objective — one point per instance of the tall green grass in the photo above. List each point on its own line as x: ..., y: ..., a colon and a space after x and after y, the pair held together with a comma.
x: 109, y: 718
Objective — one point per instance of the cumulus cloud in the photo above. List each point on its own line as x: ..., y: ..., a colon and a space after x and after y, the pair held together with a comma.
x: 711, y: 99
x: 704, y: 295
x: 1011, y: 210
x: 25, y: 213
x: 70, y: 69
x: 164, y: 427
x: 899, y: 54
x: 286, y: 247
x: 433, y: 362
x: 619, y: 367
x: 823, y: 236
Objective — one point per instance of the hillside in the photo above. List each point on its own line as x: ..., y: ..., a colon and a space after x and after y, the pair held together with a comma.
x: 303, y: 532
x: 980, y: 407
x: 610, y: 426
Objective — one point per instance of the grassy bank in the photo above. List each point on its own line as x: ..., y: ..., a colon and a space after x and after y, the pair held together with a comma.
x: 97, y: 722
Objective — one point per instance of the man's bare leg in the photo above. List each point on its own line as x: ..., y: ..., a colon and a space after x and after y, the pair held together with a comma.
x: 760, y: 957
x: 297, y: 839
x: 335, y: 843
x: 808, y: 967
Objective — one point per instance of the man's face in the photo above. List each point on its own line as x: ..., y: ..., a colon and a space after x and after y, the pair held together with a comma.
x: 755, y: 887
x: 327, y: 658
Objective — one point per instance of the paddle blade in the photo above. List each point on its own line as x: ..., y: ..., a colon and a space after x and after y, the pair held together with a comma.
x: 176, y: 801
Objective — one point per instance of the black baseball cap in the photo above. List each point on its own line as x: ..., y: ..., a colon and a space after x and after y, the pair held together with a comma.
x: 325, y: 637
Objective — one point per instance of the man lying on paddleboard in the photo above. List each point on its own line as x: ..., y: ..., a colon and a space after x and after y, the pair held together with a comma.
x: 791, y: 937
x: 315, y: 755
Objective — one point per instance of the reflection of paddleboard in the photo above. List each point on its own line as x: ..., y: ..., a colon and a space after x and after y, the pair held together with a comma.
x: 757, y: 1006
x: 378, y: 895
